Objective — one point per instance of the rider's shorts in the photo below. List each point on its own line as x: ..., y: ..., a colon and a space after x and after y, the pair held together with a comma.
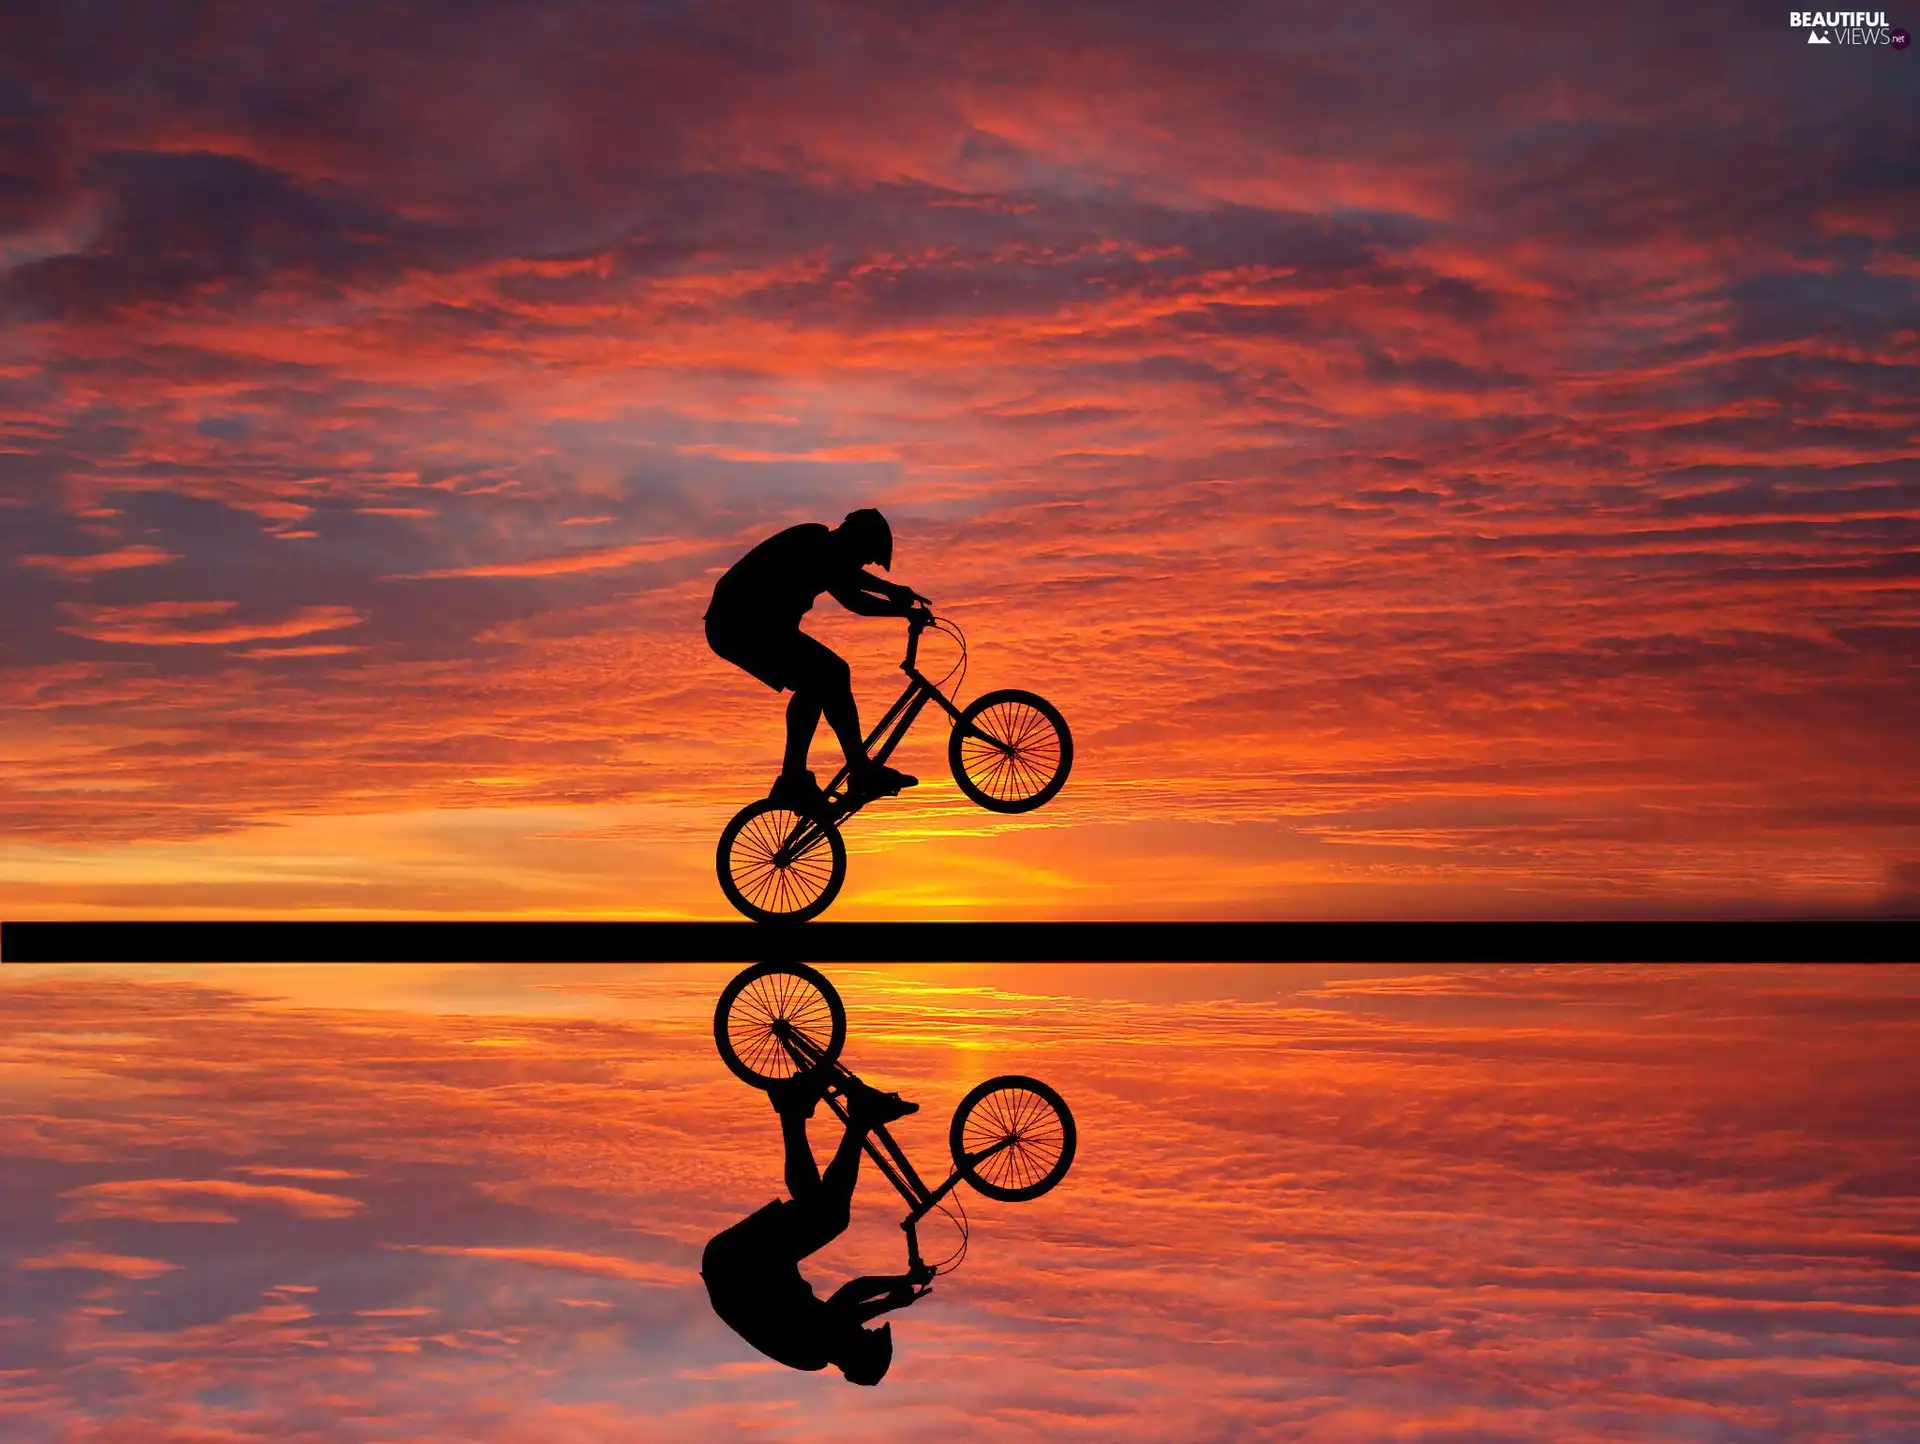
x: 768, y: 1235
x: 784, y: 1232
x: 784, y: 660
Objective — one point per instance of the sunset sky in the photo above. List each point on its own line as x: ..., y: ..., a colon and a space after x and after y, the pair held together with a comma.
x: 1444, y: 460
x: 340, y: 1205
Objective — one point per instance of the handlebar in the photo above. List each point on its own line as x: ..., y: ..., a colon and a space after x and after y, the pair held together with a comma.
x: 918, y: 620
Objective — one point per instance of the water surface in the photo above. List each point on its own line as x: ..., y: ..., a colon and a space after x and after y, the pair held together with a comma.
x: 444, y: 1203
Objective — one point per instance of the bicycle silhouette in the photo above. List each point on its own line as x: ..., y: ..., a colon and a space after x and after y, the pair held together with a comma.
x: 1009, y: 751
x: 1012, y: 1137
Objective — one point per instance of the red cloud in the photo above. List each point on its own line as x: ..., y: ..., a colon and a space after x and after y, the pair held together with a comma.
x: 599, y: 1265
x: 587, y: 559
x: 170, y: 1200
x: 150, y: 624
x: 124, y: 1266
x: 121, y: 559
x: 1436, y: 484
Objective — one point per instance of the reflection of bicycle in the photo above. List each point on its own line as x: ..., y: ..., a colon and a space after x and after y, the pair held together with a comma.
x: 1010, y: 751
x: 1012, y: 1137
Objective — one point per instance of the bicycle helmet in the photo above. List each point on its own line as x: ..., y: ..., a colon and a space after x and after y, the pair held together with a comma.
x: 871, y: 536
x: 868, y: 1360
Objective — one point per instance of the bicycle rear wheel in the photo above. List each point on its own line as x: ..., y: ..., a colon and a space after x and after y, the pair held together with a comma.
x: 779, y: 866
x: 769, y: 1004
x: 1010, y: 751
x: 1029, y: 1126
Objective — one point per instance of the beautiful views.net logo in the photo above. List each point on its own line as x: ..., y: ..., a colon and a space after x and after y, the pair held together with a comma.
x: 1848, y: 27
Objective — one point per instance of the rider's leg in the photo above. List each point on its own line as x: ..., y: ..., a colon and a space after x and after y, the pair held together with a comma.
x: 867, y: 1109
x: 794, y: 1100
x: 843, y: 716
x: 803, y: 1174
x: 836, y: 1184
x: 827, y: 682
x: 803, y: 717
x: 823, y: 1202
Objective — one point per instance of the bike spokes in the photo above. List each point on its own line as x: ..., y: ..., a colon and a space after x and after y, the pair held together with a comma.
x: 1010, y: 751
x: 781, y: 861
x: 776, y: 1020
x: 775, y: 1017
x: 1014, y: 1141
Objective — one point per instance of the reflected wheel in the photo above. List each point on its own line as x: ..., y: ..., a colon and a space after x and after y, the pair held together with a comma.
x: 1025, y: 1130
x: 772, y: 1011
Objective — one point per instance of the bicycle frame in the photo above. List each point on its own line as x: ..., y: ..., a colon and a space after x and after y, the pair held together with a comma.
x: 891, y: 729
x: 887, y: 735
x: 885, y: 1152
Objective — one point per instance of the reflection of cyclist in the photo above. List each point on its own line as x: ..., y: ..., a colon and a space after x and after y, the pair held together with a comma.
x: 754, y: 622
x: 752, y: 1269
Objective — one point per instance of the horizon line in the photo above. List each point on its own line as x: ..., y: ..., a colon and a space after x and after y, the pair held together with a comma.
x: 1852, y: 938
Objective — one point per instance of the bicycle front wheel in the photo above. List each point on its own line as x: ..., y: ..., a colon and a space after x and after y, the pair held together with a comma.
x: 773, y: 1017
x: 1010, y: 751
x: 1024, y: 1129
x: 780, y: 866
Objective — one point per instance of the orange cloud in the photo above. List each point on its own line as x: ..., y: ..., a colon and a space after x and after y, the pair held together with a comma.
x: 600, y: 1265
x: 151, y: 624
x: 320, y: 651
x: 126, y: 1266
x: 120, y: 559
x: 1399, y: 539
x: 153, y: 1199
x: 587, y: 559
x: 263, y: 1170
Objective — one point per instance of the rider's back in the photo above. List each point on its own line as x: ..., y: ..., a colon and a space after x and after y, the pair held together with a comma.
x: 775, y: 584
x: 757, y: 1289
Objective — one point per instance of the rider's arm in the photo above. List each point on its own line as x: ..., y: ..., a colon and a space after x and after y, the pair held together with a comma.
x: 904, y: 595
x: 872, y: 596
x: 871, y: 1295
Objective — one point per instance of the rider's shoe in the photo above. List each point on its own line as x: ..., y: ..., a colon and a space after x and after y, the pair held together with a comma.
x: 877, y: 780
x: 870, y: 1107
x: 798, y: 792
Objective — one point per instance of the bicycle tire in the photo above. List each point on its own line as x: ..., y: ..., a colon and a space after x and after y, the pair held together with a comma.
x: 790, y: 992
x: 1027, y: 776
x: 1032, y: 1111
x: 766, y: 889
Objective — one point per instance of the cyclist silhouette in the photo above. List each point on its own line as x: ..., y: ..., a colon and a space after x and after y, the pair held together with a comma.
x: 752, y: 1269
x: 754, y: 623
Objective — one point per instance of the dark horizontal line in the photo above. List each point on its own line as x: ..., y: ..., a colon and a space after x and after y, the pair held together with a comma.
x: 1746, y: 940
